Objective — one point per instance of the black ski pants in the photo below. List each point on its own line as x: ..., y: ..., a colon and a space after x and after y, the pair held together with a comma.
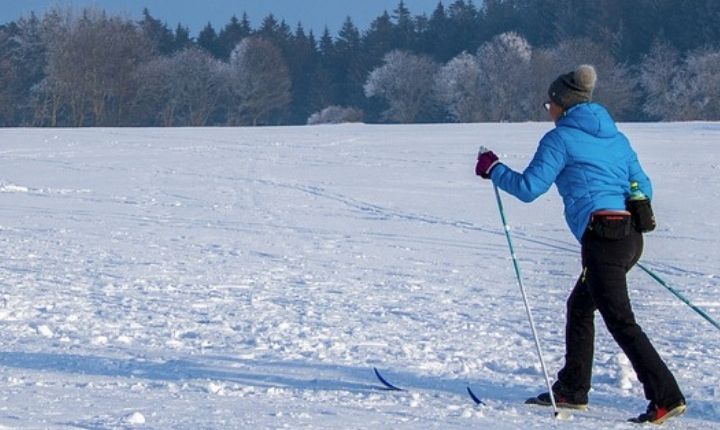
x: 603, y: 286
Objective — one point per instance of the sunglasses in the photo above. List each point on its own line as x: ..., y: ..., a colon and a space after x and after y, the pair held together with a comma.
x: 546, y: 106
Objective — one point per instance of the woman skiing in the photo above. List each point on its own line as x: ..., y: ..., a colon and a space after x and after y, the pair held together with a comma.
x: 593, y: 165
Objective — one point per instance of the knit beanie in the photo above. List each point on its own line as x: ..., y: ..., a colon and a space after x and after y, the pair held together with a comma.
x: 574, y: 87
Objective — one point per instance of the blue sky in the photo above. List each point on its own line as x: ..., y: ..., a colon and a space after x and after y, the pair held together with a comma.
x: 314, y: 14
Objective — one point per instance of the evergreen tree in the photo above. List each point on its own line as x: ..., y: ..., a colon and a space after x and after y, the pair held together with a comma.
x: 378, y: 40
x: 331, y: 70
x: 465, y: 29
x: 639, y: 30
x: 157, y: 32
x: 209, y: 41
x: 536, y: 19
x: 232, y: 34
x: 303, y: 62
x: 269, y: 28
x: 278, y: 33
x: 182, y: 38
x: 327, y: 86
x: 421, y: 28
x: 22, y: 63
x: 348, y: 40
x: 498, y: 16
x: 404, y: 29
x: 435, y: 39
x: 349, y: 70
x: 691, y: 24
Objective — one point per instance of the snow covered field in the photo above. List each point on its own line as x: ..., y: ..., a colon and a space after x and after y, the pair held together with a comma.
x: 251, y: 278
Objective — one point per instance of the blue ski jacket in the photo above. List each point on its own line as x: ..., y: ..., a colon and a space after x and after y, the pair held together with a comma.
x: 589, y: 160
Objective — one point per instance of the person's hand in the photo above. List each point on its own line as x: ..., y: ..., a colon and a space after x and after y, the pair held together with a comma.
x: 486, y: 161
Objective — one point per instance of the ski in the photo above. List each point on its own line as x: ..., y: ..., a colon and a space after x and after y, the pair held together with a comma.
x: 474, y: 397
x: 563, y: 413
x: 387, y: 385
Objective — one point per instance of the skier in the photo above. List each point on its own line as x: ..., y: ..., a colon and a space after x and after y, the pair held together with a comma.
x: 593, y: 166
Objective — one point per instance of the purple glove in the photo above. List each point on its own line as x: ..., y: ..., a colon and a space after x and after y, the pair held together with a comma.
x: 486, y: 161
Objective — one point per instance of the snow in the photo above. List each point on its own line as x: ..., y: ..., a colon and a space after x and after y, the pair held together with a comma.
x: 252, y: 278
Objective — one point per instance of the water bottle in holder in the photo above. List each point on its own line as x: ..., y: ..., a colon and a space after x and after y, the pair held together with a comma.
x: 639, y: 206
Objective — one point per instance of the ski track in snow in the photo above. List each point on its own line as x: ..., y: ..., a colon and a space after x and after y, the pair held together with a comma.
x: 252, y: 278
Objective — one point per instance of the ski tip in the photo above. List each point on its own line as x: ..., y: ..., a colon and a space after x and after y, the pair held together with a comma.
x: 475, y: 398
x: 384, y: 381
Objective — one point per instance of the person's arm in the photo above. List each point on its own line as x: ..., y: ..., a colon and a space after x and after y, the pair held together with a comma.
x: 549, y: 160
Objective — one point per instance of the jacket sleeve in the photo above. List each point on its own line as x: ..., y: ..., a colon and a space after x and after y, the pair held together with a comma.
x: 547, y: 163
x: 637, y: 174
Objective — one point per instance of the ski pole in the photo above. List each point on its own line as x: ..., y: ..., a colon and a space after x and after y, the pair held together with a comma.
x: 677, y: 294
x: 525, y: 300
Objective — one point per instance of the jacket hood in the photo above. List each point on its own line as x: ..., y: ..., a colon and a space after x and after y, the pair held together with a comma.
x: 591, y: 118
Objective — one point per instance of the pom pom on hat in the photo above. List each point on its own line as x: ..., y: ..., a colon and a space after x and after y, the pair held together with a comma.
x: 586, y: 77
x: 573, y: 87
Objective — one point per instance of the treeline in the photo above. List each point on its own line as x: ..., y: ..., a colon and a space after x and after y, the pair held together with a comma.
x: 656, y: 59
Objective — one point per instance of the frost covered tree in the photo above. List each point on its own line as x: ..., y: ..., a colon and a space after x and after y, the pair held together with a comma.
x: 184, y: 89
x: 260, y: 82
x: 405, y: 81
x: 76, y: 67
x: 336, y: 115
x: 681, y: 89
x: 661, y: 73
x: 457, y: 87
x: 91, y: 61
x: 703, y: 84
x: 616, y: 86
x: 504, y: 64
x: 544, y: 70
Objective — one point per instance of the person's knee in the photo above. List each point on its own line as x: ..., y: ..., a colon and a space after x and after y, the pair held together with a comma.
x: 580, y: 314
x: 580, y: 305
x: 624, y: 331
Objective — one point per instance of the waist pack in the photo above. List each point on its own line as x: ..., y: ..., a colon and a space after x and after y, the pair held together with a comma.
x: 643, y: 218
x: 611, y: 225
